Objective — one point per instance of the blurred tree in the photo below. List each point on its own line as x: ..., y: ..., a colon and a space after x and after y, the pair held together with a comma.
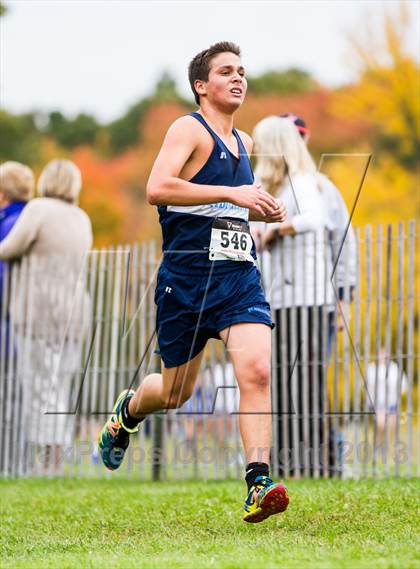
x: 124, y: 132
x: 290, y: 81
x: 387, y: 94
x: 165, y: 90
x: 3, y: 9
x: 70, y: 133
x: 19, y: 138
x: 127, y: 131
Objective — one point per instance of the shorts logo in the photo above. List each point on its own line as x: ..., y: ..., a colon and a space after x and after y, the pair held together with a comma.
x: 223, y: 156
x: 168, y: 289
x: 258, y: 309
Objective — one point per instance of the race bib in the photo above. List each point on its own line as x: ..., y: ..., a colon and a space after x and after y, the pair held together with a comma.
x: 230, y: 240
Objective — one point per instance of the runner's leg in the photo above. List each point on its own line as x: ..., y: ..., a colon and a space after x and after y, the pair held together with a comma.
x: 166, y: 390
x: 249, y: 347
x: 156, y: 393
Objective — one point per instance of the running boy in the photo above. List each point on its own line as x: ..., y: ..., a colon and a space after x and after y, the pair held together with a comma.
x: 208, y: 285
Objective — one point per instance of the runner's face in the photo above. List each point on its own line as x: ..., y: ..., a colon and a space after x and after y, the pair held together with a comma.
x: 226, y: 85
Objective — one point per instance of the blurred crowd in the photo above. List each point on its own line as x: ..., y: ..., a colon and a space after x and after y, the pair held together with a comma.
x: 50, y: 236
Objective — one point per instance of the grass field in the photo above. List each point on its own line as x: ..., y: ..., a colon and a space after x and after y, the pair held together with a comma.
x: 329, y: 524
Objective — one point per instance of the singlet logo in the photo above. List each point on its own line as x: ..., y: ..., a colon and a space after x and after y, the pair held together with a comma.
x: 223, y: 156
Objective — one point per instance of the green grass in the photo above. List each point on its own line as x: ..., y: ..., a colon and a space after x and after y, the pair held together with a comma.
x: 123, y: 524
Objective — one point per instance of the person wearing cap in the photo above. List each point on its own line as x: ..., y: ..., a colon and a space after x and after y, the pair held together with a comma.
x: 301, y: 295
x: 342, y: 241
x: 299, y: 124
x: 343, y: 250
x: 340, y: 250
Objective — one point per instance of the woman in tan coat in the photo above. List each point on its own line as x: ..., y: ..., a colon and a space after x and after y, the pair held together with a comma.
x: 49, y: 305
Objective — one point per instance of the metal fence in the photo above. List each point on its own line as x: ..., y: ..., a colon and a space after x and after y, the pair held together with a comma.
x: 345, y: 404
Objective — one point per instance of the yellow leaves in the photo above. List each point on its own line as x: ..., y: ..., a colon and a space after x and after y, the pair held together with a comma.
x: 388, y: 193
x: 387, y: 94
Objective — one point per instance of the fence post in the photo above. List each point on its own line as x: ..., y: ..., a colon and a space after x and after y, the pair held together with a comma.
x: 410, y: 342
x: 366, y: 340
x: 377, y: 340
x: 400, y: 339
x: 388, y: 325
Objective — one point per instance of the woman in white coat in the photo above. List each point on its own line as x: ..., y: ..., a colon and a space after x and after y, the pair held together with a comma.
x: 301, y: 296
x: 49, y: 306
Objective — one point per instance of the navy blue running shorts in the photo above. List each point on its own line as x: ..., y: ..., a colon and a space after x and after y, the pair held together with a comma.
x: 192, y: 309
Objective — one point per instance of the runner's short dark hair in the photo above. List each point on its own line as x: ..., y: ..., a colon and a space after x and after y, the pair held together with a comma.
x: 199, y: 66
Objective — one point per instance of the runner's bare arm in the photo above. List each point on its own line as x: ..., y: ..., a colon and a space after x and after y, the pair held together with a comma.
x: 165, y: 187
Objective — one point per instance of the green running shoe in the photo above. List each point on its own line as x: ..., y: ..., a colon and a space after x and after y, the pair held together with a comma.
x: 115, y: 437
x: 265, y: 499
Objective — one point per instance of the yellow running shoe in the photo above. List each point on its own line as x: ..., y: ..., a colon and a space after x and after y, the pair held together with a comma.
x: 114, y: 437
x: 265, y: 499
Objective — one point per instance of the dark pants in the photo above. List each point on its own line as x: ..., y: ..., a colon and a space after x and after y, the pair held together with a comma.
x: 304, y: 442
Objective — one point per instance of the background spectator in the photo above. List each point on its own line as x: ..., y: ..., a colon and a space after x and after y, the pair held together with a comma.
x: 383, y: 378
x: 342, y: 240
x: 16, y: 188
x: 17, y: 185
x: 53, y: 236
x: 301, y: 294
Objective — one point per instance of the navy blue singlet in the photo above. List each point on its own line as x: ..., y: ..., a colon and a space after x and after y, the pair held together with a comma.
x: 186, y: 229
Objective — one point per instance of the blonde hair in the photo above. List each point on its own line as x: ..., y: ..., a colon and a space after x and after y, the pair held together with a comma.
x: 280, y: 151
x: 17, y: 181
x: 60, y: 179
